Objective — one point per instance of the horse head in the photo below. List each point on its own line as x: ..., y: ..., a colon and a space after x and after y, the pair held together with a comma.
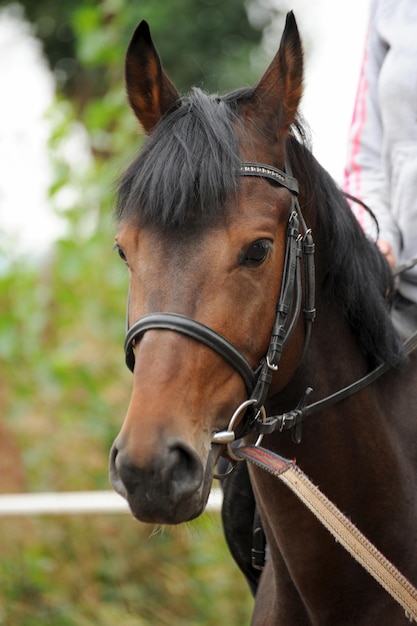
x: 205, y: 244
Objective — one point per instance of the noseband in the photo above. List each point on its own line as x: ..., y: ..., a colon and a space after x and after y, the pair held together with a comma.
x: 299, y: 247
x: 195, y: 330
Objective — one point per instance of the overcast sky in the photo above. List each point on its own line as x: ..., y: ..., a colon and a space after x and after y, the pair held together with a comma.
x: 336, y: 32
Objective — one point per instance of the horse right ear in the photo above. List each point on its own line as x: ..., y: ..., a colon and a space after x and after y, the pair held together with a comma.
x: 150, y: 92
x: 279, y: 91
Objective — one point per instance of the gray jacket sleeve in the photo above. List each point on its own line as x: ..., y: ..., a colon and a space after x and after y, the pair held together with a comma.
x: 364, y: 173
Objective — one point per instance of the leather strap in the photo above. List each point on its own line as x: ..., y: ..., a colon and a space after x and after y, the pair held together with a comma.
x: 288, y: 309
x: 193, y: 329
x: 299, y: 244
x: 294, y: 418
x: 344, y: 531
x: 272, y: 173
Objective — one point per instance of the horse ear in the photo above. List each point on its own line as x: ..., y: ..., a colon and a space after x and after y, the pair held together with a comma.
x: 279, y: 91
x: 150, y: 92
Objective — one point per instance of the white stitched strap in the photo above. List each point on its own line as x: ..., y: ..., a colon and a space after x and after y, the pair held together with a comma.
x: 342, y: 529
x: 267, y: 171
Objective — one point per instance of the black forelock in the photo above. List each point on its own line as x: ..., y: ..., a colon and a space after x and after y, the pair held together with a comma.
x: 187, y: 168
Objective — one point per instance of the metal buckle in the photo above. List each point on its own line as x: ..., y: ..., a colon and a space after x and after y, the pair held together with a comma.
x: 228, y: 436
x: 270, y: 365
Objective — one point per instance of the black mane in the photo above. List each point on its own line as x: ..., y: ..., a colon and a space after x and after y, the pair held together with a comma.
x: 187, y: 170
x: 352, y: 270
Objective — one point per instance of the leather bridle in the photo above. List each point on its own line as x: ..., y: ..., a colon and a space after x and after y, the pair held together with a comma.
x: 299, y: 252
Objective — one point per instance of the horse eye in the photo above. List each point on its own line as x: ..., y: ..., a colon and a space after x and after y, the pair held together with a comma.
x: 256, y: 253
x: 120, y: 252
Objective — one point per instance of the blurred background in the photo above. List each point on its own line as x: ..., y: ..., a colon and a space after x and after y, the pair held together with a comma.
x: 66, y: 134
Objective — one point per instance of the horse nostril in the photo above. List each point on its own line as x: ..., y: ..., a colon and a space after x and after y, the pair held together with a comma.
x: 114, y: 475
x: 185, y: 468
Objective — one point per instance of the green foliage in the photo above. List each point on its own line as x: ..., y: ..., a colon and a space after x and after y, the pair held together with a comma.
x: 63, y: 393
x: 201, y: 41
x: 101, y: 571
x: 63, y: 386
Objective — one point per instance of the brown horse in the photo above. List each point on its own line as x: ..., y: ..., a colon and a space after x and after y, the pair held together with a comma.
x: 214, y: 241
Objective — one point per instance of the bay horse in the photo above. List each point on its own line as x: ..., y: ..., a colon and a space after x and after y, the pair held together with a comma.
x: 212, y: 228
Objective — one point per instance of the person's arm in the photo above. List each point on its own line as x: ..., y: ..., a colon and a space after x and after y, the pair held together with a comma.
x: 364, y: 174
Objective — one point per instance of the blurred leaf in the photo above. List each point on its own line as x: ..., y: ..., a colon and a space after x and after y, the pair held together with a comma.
x: 63, y: 386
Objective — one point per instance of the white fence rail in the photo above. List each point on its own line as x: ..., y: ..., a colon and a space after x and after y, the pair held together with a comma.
x: 75, y: 503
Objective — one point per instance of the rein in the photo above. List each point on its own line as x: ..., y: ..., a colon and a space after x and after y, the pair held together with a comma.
x: 342, y: 529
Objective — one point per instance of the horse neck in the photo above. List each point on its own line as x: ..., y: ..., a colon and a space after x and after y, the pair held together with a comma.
x: 345, y: 450
x: 333, y: 361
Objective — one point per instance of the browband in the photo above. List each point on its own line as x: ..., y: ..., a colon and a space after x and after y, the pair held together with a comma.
x: 274, y: 174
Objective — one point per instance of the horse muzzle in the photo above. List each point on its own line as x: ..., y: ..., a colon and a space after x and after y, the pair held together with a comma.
x: 172, y: 487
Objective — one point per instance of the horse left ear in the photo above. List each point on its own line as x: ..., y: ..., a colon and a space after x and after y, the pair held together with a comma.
x: 279, y: 91
x: 150, y: 92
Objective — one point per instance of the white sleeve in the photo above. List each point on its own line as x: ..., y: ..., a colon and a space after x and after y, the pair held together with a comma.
x: 364, y: 176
